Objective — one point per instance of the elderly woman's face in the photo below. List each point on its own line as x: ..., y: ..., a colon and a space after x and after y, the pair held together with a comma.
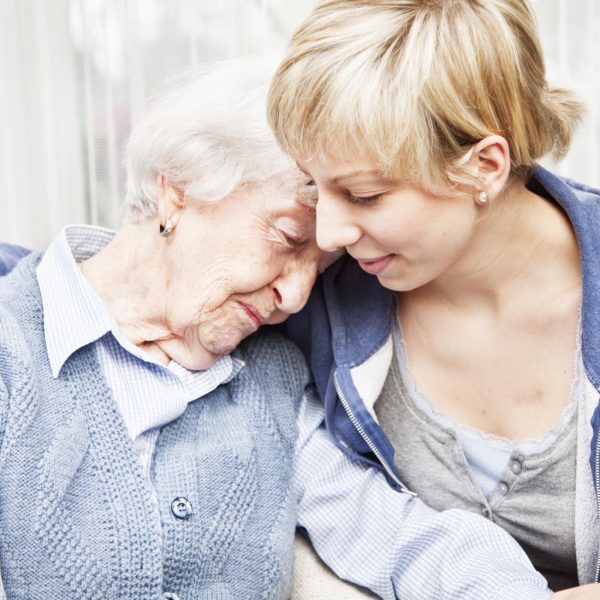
x: 250, y: 259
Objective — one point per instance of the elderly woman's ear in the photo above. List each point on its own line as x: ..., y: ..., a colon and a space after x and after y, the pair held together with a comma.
x: 170, y: 203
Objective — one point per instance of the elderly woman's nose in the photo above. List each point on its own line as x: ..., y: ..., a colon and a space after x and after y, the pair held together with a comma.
x: 293, y: 287
x: 336, y: 227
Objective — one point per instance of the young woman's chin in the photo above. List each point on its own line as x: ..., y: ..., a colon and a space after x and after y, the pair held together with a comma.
x: 406, y: 280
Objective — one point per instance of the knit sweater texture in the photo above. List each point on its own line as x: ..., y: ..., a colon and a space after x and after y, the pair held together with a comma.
x: 77, y: 518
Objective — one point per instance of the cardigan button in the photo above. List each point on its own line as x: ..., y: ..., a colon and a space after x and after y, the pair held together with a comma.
x: 170, y: 596
x: 181, y: 508
x: 516, y: 466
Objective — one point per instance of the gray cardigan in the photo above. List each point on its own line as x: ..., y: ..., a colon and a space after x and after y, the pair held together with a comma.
x: 78, y: 519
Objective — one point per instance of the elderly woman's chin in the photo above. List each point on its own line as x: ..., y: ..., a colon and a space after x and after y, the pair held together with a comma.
x: 200, y: 350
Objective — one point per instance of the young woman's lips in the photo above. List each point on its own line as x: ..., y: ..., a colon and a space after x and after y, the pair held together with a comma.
x: 376, y: 265
x: 254, y: 316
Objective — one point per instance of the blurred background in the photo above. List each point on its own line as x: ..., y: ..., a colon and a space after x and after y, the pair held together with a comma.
x: 74, y: 75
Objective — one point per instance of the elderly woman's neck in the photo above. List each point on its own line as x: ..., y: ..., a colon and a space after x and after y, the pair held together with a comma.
x: 129, y: 276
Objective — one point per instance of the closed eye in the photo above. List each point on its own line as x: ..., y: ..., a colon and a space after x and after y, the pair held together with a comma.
x: 289, y: 241
x: 364, y: 200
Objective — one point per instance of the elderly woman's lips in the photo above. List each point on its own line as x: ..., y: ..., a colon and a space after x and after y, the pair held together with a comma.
x: 376, y: 265
x: 252, y: 313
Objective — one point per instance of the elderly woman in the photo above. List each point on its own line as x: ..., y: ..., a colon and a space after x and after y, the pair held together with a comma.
x: 146, y: 451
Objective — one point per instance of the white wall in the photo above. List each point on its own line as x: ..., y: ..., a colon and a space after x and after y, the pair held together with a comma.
x: 41, y: 156
x: 569, y: 31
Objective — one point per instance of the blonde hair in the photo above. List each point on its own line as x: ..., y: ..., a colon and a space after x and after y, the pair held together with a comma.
x: 415, y: 84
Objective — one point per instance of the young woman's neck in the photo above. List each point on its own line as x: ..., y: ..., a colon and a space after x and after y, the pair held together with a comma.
x: 523, y: 247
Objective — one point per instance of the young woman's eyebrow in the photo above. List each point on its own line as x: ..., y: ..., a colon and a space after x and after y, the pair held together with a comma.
x: 353, y: 174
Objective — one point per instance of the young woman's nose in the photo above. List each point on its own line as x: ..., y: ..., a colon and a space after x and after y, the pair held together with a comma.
x: 336, y: 227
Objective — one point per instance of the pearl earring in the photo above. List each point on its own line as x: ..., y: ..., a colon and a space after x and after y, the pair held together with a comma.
x: 167, y: 228
x: 482, y: 198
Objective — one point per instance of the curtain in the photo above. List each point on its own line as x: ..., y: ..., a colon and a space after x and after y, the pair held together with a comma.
x: 569, y: 31
x: 74, y: 75
x: 41, y: 149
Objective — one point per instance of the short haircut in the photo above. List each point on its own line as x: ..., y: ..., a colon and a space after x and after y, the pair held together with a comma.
x: 206, y: 132
x: 415, y: 84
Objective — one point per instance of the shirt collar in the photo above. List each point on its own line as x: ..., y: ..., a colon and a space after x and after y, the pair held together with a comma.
x: 74, y: 315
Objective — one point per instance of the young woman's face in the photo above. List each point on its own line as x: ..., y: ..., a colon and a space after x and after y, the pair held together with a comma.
x: 403, y: 235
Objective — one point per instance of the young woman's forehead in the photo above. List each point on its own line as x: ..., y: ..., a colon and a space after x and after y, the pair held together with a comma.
x: 341, y: 168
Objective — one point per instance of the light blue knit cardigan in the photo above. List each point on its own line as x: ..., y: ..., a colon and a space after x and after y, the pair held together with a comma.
x: 78, y: 519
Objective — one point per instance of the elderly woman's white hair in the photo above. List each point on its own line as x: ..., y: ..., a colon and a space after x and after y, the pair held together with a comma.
x: 199, y: 143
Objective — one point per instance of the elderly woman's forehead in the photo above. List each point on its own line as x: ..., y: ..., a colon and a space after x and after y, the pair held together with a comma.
x: 291, y: 176
x: 293, y: 185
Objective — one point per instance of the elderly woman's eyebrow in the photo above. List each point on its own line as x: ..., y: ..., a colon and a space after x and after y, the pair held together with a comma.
x: 302, y: 169
x: 308, y: 199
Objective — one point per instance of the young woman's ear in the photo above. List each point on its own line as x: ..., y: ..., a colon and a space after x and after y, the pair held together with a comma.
x: 491, y: 166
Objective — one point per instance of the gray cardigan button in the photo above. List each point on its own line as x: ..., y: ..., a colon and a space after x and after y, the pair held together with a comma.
x: 516, y: 467
x: 181, y: 508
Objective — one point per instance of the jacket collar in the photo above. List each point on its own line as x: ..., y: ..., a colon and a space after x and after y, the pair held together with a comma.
x: 582, y: 206
x: 360, y: 327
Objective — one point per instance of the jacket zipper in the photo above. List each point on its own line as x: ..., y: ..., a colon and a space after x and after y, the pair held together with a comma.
x: 597, y: 482
x: 368, y: 440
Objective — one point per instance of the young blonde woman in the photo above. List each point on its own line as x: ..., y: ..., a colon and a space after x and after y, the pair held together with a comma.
x: 457, y: 347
